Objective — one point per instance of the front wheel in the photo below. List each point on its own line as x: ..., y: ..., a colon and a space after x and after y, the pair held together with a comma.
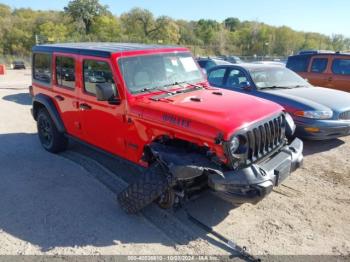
x: 146, y: 190
x: 51, y: 139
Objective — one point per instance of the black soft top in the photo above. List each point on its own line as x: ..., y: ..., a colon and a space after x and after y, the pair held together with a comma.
x: 96, y: 49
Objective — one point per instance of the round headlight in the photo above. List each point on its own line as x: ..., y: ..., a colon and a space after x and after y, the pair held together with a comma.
x: 234, y: 145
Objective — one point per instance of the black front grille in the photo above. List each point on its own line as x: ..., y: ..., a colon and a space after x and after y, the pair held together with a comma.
x: 265, y: 138
x: 345, y: 115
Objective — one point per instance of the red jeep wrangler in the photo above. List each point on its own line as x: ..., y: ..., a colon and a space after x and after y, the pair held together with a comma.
x: 152, y: 105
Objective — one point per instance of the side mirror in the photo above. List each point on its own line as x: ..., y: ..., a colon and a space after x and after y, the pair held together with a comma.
x: 106, y: 92
x: 246, y: 86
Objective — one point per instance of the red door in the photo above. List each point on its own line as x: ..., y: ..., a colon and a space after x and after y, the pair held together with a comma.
x: 319, y: 71
x: 341, y: 73
x: 103, y: 124
x: 65, y: 87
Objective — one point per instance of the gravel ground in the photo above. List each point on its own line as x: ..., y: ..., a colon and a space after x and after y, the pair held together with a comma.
x: 57, y: 204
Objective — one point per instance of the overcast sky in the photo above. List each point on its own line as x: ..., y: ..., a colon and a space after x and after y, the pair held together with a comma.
x: 317, y: 16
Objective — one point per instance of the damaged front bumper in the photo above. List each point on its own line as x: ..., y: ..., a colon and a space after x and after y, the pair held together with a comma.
x: 253, y: 183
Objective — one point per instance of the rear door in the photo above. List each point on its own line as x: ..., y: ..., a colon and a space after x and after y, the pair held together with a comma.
x: 319, y: 71
x: 65, y: 86
x: 103, y: 124
x: 340, y: 73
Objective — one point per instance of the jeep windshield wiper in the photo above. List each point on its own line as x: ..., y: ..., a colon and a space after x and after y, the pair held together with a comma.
x: 184, y: 88
x: 164, y: 88
x: 149, y: 90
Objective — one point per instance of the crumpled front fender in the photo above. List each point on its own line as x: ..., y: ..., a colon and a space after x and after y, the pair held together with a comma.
x: 181, y: 164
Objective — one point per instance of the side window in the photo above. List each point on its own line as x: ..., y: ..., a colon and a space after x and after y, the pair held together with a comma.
x: 319, y: 65
x: 341, y: 66
x: 298, y: 63
x: 236, y: 79
x: 96, y: 72
x: 65, y: 71
x: 42, y: 67
x: 210, y: 64
x: 216, y: 77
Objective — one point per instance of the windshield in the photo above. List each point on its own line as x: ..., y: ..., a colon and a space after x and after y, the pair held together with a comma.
x: 144, y: 73
x: 277, y: 77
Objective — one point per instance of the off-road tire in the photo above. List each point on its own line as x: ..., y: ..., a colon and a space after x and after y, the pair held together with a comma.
x: 147, y: 189
x: 51, y: 139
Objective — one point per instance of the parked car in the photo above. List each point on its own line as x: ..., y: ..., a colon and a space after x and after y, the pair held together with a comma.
x: 209, y: 62
x: 319, y: 113
x: 18, y: 65
x: 163, y: 115
x: 232, y: 59
x: 94, y: 77
x: 323, y: 68
x: 275, y: 63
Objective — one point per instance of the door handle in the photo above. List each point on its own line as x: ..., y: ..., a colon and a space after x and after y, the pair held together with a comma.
x: 85, y: 107
x: 59, y: 98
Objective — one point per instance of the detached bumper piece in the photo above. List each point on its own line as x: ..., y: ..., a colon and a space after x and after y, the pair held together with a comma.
x: 252, y: 184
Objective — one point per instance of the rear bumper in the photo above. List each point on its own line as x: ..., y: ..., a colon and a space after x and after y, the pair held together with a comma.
x: 252, y: 184
x: 328, y: 129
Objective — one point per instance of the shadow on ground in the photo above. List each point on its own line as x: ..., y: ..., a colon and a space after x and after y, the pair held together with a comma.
x: 20, y: 98
x: 315, y: 147
x: 207, y: 208
x: 51, y: 202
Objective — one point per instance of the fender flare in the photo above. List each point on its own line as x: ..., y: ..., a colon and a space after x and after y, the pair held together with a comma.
x: 49, y: 105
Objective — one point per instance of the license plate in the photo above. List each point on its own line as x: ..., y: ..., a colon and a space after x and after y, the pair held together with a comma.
x: 282, y: 172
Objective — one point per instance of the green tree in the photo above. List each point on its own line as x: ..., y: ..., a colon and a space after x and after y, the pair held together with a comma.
x: 206, y: 30
x: 85, y: 11
x: 53, y: 32
x: 232, y: 23
x: 88, y: 20
x: 338, y: 42
x: 139, y: 24
x: 168, y: 31
x: 106, y: 28
x: 187, y: 35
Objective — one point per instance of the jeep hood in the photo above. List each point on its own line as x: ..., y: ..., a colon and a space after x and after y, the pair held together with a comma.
x: 206, y: 112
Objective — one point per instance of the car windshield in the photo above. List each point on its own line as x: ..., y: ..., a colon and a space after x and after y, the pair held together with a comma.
x: 148, y: 72
x: 276, y: 78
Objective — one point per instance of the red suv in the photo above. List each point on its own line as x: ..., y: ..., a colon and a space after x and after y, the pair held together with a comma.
x: 152, y: 105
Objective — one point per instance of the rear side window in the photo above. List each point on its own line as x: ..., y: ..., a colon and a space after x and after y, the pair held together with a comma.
x: 65, y: 71
x: 298, y: 63
x: 319, y: 65
x: 96, y: 72
x: 42, y: 67
x: 216, y: 77
x: 341, y: 66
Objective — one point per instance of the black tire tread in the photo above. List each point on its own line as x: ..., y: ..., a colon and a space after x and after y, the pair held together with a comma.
x: 147, y: 189
x: 60, y: 141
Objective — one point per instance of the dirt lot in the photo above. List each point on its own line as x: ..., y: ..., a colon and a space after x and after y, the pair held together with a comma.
x: 65, y: 204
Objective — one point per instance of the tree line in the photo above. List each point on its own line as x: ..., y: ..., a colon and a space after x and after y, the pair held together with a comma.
x: 88, y: 20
